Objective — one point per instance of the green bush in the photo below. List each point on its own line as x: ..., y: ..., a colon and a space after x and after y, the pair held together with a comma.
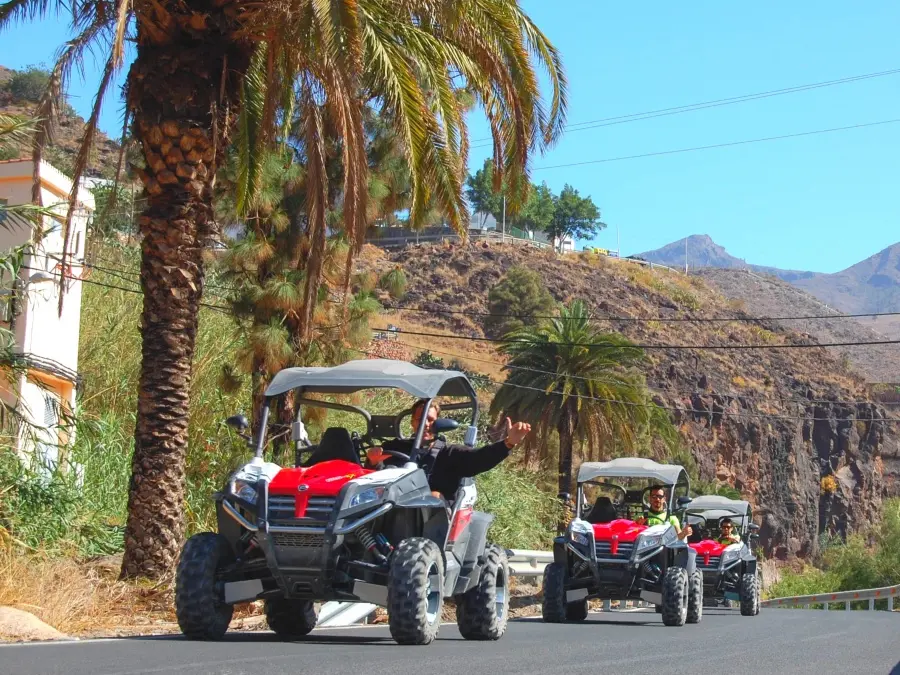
x: 525, y: 515
x: 866, y: 560
x: 29, y: 84
x: 519, y: 295
x: 394, y: 282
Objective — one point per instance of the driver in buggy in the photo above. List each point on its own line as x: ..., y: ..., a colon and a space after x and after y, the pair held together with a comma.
x: 727, y: 533
x: 447, y: 464
x: 658, y: 513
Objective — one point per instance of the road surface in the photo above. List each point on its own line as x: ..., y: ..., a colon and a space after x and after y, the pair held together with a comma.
x: 777, y: 641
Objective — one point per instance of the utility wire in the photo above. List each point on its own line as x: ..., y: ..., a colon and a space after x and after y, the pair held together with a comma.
x: 118, y: 288
x: 706, y: 413
x: 639, y: 346
x: 659, y: 388
x: 716, y: 145
x: 691, y: 107
x: 635, y: 319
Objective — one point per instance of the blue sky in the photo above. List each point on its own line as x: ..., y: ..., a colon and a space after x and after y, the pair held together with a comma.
x: 819, y: 203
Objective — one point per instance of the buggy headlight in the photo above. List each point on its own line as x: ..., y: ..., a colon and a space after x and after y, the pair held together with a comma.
x: 649, y: 541
x: 580, y: 532
x: 245, y: 491
x: 730, y: 555
x: 366, y: 497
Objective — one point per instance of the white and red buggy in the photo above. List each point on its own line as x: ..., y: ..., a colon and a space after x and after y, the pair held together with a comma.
x: 606, y: 554
x: 730, y: 572
x: 330, y: 529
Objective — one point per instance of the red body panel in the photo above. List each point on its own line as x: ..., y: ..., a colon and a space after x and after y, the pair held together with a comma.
x: 708, y: 548
x: 322, y: 480
x: 619, y: 530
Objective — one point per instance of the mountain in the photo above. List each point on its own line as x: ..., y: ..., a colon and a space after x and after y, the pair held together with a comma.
x: 702, y: 251
x: 872, y: 285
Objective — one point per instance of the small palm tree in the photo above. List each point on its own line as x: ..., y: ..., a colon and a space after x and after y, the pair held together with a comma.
x: 569, y: 378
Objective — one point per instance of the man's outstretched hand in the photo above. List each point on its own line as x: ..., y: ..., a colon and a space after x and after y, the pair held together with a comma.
x: 516, y: 433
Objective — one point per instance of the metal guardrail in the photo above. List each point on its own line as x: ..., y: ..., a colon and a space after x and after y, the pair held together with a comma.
x: 528, y: 563
x: 847, y: 597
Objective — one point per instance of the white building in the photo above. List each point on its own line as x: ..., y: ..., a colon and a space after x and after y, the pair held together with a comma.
x: 46, y: 343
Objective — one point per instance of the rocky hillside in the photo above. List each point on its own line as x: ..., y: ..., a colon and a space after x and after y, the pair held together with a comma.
x: 771, y: 423
x: 769, y: 296
x: 67, y: 139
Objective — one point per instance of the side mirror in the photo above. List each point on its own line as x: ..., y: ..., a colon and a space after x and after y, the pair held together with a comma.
x: 442, y: 425
x: 754, y: 527
x: 682, y: 502
x: 238, y: 422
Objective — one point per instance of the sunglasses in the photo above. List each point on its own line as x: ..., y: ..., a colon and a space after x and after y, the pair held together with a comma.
x: 657, y: 496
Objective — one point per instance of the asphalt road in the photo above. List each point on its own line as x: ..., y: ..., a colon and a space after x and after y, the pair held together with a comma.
x: 777, y: 641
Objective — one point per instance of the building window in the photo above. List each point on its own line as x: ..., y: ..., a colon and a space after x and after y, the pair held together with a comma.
x: 51, y: 411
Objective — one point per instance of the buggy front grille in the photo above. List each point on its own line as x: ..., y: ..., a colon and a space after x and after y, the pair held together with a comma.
x: 713, y: 563
x: 604, y: 550
x: 318, y: 510
x: 298, y: 540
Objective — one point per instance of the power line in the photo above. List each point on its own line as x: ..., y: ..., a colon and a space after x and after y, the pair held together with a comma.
x: 717, y: 145
x: 639, y: 346
x: 706, y: 413
x: 691, y: 107
x: 634, y: 319
x: 659, y: 388
x: 117, y: 288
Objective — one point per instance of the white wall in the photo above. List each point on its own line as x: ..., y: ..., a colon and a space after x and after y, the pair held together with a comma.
x: 40, y: 330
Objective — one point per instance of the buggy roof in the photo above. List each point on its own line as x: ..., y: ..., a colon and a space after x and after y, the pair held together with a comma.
x: 370, y: 374
x: 631, y: 467
x: 716, y: 503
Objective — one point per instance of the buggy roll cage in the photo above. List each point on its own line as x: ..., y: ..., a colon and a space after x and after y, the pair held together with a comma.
x: 353, y: 376
x: 715, y: 508
x: 673, y: 477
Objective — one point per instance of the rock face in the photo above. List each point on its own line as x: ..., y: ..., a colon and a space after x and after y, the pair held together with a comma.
x: 782, y: 426
x: 19, y: 626
x: 803, y: 477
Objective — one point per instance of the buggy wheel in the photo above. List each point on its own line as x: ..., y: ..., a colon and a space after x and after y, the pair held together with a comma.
x: 749, y: 594
x: 482, y: 612
x: 199, y: 605
x: 695, y: 597
x: 290, y: 619
x: 415, y: 591
x: 577, y: 611
x: 553, y: 605
x: 675, y: 596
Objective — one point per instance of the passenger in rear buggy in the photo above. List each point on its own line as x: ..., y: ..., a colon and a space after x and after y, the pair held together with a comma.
x: 447, y: 464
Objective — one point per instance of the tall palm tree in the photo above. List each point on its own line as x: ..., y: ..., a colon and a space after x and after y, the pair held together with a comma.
x: 183, y: 95
x: 569, y: 378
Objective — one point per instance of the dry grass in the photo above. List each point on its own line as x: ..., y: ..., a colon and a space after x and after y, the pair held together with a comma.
x: 86, y: 598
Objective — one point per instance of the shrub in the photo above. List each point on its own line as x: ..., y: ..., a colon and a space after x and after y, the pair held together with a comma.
x: 29, y: 84
x: 394, y: 282
x: 515, y: 299
x: 525, y: 515
x: 828, y: 485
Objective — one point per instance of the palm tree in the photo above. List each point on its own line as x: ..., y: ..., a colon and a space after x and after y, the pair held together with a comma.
x: 569, y: 378
x: 324, y: 57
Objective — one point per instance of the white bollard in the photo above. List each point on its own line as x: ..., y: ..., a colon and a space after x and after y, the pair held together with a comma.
x: 891, y: 604
x: 607, y: 605
x: 847, y: 605
x: 871, y: 603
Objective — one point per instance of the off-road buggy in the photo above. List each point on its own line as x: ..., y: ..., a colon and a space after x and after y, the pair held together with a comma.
x: 729, y: 570
x: 606, y: 554
x: 330, y: 529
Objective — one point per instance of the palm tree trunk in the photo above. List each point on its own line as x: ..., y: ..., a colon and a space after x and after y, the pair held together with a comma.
x: 182, y: 92
x: 566, y: 431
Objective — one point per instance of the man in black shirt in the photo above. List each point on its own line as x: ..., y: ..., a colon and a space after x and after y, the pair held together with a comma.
x: 447, y: 464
